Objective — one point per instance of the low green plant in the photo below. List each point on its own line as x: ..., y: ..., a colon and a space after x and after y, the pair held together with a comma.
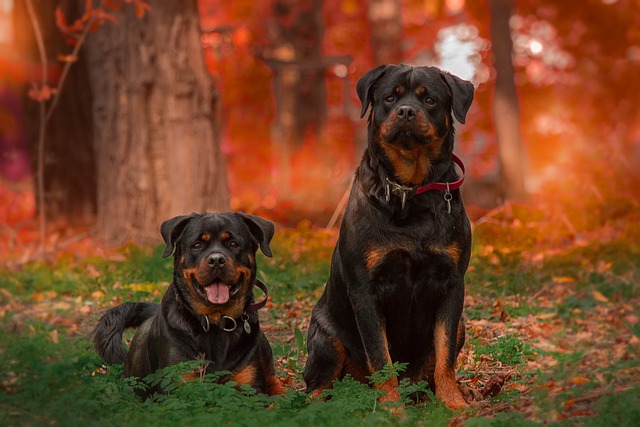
x: 508, y: 350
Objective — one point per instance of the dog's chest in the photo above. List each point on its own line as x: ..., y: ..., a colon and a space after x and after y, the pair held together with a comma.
x: 409, y: 271
x: 222, y: 349
x: 415, y: 256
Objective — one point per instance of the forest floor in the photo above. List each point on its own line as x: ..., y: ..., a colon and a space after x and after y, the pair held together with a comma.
x: 552, y: 320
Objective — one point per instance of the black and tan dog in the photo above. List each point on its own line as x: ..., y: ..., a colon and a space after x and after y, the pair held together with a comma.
x: 208, y: 312
x: 396, y: 287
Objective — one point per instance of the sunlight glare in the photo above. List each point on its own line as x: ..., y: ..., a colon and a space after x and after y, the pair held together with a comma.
x: 535, y: 47
x: 6, y: 23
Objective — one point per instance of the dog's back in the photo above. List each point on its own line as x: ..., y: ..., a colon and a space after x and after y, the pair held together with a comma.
x: 107, y: 336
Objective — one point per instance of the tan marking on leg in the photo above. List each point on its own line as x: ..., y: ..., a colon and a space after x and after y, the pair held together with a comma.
x: 390, y: 386
x: 444, y: 375
x: 191, y: 376
x: 246, y: 375
x: 274, y: 385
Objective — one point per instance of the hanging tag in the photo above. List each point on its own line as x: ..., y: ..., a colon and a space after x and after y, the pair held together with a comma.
x: 245, y: 323
x: 447, y: 198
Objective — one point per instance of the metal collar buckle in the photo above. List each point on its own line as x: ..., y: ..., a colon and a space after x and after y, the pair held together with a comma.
x: 224, y: 320
x: 397, y: 190
x: 229, y: 324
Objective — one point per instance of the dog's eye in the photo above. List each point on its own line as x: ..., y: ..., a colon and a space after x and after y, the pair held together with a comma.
x: 430, y: 100
x: 233, y: 244
x: 390, y: 99
x: 197, y: 245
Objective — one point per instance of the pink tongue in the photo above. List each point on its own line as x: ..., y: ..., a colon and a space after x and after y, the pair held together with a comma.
x: 217, y: 293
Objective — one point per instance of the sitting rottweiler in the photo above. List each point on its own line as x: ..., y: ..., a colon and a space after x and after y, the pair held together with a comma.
x: 208, y: 312
x: 396, y: 286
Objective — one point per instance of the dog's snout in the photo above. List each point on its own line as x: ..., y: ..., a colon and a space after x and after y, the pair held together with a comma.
x: 216, y: 260
x: 406, y: 112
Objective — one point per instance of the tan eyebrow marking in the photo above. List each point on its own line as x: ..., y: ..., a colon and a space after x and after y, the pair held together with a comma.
x: 399, y: 90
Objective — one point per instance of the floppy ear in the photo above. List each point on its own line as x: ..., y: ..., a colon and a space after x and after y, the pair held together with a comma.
x: 261, y: 229
x: 171, y: 230
x: 461, y: 93
x: 364, y: 84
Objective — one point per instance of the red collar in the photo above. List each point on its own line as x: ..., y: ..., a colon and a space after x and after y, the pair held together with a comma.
x: 405, y: 192
x: 445, y: 186
x: 258, y: 305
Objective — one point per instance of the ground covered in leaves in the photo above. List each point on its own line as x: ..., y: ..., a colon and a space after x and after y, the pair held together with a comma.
x: 553, y: 334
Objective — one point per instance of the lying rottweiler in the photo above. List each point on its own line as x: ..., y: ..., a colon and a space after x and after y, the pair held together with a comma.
x: 396, y: 286
x: 207, y: 313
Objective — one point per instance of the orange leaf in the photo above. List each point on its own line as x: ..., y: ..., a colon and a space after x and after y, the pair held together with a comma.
x: 43, y: 94
x: 111, y: 4
x: 599, y: 297
x: 563, y: 279
x: 101, y: 16
x: 579, y: 380
x: 141, y: 8
x: 67, y: 58
x: 61, y: 21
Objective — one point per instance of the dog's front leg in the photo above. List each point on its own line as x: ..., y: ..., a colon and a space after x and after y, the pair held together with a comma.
x: 445, y: 339
x: 372, y: 329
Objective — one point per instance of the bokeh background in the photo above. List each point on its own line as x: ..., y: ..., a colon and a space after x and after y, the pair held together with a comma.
x: 153, y: 109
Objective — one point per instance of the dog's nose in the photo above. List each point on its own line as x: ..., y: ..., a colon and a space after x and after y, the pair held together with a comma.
x: 216, y: 260
x: 406, y: 112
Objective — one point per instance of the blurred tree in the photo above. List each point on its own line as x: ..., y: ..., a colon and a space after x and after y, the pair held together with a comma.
x: 69, y: 166
x: 134, y: 140
x: 295, y: 30
x: 576, y: 73
x: 506, y: 110
x: 155, y: 139
x: 386, y: 31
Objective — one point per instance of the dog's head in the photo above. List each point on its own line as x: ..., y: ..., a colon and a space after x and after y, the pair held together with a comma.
x: 214, y: 259
x: 411, y: 115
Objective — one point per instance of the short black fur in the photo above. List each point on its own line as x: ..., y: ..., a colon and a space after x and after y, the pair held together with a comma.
x: 396, y: 285
x: 211, y: 291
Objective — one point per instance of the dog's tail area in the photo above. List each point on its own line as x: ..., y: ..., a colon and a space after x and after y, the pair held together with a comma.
x: 107, y: 336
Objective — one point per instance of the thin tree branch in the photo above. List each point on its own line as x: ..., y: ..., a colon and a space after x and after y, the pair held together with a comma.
x: 42, y: 126
x: 67, y: 67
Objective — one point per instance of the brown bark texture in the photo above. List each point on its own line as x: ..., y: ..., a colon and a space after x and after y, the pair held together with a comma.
x: 155, y: 138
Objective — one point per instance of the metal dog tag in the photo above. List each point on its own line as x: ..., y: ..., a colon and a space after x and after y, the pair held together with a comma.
x: 245, y: 323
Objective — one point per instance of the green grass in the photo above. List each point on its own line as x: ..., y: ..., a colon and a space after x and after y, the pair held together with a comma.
x: 561, y: 331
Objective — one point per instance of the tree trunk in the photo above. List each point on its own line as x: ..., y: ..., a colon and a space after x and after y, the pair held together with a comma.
x: 155, y: 138
x: 386, y: 31
x: 69, y: 164
x: 506, y: 110
x: 295, y: 54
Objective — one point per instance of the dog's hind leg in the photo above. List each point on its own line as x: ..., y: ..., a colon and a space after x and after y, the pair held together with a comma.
x: 326, y: 362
